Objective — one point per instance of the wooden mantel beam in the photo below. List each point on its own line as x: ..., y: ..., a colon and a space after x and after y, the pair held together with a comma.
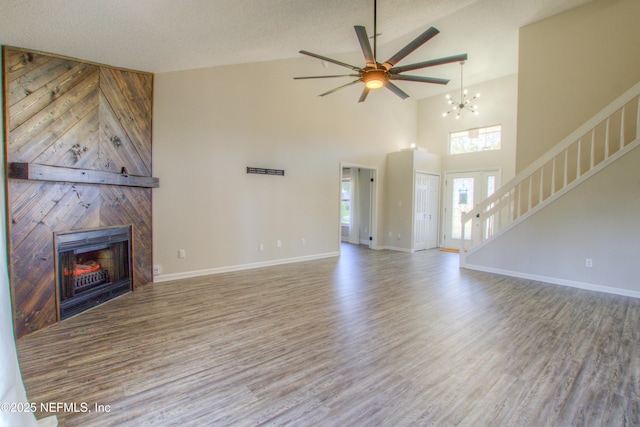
x: 38, y: 172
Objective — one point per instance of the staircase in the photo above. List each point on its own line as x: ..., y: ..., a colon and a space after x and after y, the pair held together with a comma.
x: 608, y: 136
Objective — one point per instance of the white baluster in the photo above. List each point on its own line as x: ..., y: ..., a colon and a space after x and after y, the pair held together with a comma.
x: 553, y: 177
x: 622, y: 128
x: 606, y: 138
x: 578, y: 163
x: 593, y: 144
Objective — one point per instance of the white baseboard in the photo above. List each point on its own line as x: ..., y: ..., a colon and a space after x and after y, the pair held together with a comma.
x: 556, y: 281
x: 197, y: 273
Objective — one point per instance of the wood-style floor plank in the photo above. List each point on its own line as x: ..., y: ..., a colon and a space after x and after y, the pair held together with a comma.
x: 372, y: 338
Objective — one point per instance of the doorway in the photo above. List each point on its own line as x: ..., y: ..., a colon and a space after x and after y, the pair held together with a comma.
x: 358, y: 201
x: 463, y: 192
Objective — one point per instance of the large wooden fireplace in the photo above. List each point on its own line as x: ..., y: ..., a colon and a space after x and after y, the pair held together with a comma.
x: 78, y: 153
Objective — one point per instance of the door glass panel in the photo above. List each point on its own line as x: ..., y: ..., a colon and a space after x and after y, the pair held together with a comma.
x: 463, y: 189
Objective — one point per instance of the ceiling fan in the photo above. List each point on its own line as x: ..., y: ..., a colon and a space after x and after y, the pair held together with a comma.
x: 374, y: 74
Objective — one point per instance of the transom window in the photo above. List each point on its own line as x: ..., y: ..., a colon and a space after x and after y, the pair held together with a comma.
x: 475, y: 140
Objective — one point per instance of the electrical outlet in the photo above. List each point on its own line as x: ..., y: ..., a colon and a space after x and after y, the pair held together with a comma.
x: 390, y: 234
x: 279, y: 243
x: 182, y: 253
x: 303, y: 241
x: 261, y: 247
x: 156, y: 270
x: 588, y: 263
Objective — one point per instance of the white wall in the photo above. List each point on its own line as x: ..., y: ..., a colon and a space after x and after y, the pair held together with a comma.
x: 210, y: 124
x: 498, y: 105
x: 597, y: 220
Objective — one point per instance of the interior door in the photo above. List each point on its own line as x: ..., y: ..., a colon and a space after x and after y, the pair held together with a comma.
x: 433, y: 195
x: 464, y: 190
x: 425, y: 229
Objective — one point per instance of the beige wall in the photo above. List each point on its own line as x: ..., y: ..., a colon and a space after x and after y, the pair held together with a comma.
x: 210, y: 124
x: 401, y: 171
x: 498, y: 103
x: 571, y: 66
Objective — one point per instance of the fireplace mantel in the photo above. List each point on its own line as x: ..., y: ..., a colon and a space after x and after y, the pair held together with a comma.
x: 38, y: 172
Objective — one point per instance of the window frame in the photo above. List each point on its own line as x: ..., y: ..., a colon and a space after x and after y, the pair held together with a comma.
x: 480, y: 132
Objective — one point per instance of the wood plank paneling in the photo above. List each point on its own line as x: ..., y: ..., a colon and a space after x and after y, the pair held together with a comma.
x: 128, y: 205
x: 129, y: 99
x: 65, y: 113
x: 35, y: 130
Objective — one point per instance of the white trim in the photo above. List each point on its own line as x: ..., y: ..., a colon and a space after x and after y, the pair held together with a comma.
x: 557, y: 281
x: 197, y: 273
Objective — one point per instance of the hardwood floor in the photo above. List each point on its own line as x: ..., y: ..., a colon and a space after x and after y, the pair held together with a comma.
x: 373, y: 338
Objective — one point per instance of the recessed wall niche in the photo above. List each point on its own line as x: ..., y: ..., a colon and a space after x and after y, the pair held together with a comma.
x: 72, y: 117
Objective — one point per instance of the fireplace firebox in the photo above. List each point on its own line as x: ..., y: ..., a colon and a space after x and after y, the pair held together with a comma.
x: 94, y: 266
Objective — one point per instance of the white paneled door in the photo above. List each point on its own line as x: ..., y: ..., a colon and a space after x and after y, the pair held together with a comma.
x: 427, y: 197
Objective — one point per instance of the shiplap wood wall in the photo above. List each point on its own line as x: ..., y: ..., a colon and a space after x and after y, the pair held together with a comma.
x: 70, y: 113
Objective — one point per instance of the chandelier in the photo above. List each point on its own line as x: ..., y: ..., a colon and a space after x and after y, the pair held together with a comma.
x: 464, y: 104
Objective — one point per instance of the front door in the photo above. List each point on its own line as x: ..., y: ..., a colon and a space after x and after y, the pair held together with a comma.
x: 464, y: 190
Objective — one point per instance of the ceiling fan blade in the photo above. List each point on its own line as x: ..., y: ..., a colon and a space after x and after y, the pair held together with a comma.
x: 361, y: 32
x: 365, y: 92
x: 395, y: 89
x: 421, y: 79
x: 326, y: 77
x: 333, y: 61
x: 416, y: 43
x: 340, y: 87
x: 430, y: 63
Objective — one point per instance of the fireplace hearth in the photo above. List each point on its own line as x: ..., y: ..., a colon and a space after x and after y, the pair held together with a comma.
x: 94, y: 266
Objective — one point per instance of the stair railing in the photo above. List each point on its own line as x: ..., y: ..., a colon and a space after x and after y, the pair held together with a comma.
x: 608, y: 135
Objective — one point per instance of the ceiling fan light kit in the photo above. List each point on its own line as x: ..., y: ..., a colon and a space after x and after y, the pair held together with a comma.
x: 374, y: 74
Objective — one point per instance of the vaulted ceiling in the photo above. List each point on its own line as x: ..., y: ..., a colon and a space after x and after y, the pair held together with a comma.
x: 170, y: 35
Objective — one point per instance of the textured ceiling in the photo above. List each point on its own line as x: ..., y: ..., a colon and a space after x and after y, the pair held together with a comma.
x: 170, y: 35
